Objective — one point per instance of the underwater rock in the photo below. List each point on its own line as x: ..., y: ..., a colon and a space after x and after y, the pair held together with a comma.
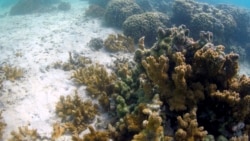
x: 64, y: 6
x: 101, y: 3
x: 118, y: 11
x: 31, y: 6
x: 95, y: 11
x: 96, y: 43
x: 201, y: 16
x: 146, y: 25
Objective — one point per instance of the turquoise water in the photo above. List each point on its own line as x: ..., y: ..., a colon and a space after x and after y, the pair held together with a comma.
x: 240, y: 3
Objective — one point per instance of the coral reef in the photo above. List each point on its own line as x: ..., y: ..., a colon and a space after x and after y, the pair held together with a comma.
x: 64, y: 6
x: 145, y: 24
x: 119, y: 42
x: 190, y: 74
x: 75, y: 113
x: 11, y: 73
x: 178, y: 80
x: 118, y: 11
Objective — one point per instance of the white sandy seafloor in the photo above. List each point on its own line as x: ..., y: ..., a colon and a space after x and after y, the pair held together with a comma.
x: 43, y: 39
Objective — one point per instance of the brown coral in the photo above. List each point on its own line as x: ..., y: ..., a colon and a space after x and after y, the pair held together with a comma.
x: 188, y: 128
x: 156, y: 70
x: 240, y: 138
x: 98, y: 81
x: 12, y: 73
x: 24, y: 133
x: 75, y: 61
x: 153, y: 129
x: 93, y: 136
x: 2, y: 125
x: 75, y: 113
x: 119, y: 42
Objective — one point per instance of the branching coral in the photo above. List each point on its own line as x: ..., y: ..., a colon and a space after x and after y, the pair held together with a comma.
x: 93, y: 136
x: 211, y: 61
x: 2, y: 125
x: 58, y: 131
x: 188, y: 128
x: 12, y: 73
x: 241, y: 138
x: 128, y: 125
x: 119, y: 42
x: 75, y: 113
x: 153, y: 129
x: 174, y: 90
x: 75, y: 61
x: 156, y: 70
x: 24, y: 133
x: 188, y: 73
x: 99, y: 82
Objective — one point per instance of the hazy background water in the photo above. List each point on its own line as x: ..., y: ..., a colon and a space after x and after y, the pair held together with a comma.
x: 241, y: 3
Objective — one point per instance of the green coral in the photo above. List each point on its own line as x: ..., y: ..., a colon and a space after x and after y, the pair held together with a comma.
x: 153, y: 129
x: 121, y: 106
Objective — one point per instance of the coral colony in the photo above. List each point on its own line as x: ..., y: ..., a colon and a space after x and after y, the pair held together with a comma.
x: 166, y: 94
x: 177, y: 89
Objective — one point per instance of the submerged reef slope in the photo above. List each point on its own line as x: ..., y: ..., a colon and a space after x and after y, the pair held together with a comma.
x: 32, y: 6
x: 118, y: 10
x: 179, y: 89
x: 228, y: 23
x: 145, y: 24
x: 197, y: 85
x: 200, y: 16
